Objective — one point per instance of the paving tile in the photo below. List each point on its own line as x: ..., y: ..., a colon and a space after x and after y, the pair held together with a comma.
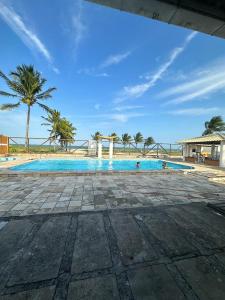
x: 41, y: 260
x: 45, y: 293
x: 91, y: 250
x: 171, y: 237
x: 154, y: 283
x: 12, y: 237
x: 204, y: 277
x: 131, y: 241
x: 101, y: 288
x: 75, y: 204
x: 48, y: 205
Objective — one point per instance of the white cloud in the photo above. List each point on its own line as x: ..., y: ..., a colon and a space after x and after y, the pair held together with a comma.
x: 125, y: 117
x: 195, y: 111
x: 115, y: 59
x: 202, y: 84
x: 128, y: 107
x: 119, y: 117
x: 97, y: 71
x: 16, y: 23
x: 92, y: 72
x: 139, y: 90
x: 78, y: 24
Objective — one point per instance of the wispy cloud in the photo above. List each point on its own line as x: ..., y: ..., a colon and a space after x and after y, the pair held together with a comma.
x: 203, y: 83
x: 119, y: 117
x: 195, y: 111
x: 128, y: 107
x: 136, y: 91
x: 115, y: 59
x: 78, y: 24
x: 92, y: 72
x: 98, y: 70
x: 30, y: 39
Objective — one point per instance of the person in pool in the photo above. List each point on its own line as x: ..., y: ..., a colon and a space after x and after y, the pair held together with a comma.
x: 138, y: 164
x: 164, y: 165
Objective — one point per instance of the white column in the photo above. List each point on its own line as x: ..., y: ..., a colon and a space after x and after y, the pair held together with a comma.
x: 185, y: 151
x: 110, y: 149
x: 99, y: 148
x: 213, y: 151
x: 222, y: 154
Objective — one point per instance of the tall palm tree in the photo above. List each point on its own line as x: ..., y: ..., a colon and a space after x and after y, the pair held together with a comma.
x: 96, y: 135
x: 126, y: 139
x: 26, y: 85
x: 138, y: 138
x: 216, y: 124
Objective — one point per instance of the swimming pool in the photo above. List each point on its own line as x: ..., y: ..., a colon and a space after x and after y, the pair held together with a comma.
x: 94, y: 165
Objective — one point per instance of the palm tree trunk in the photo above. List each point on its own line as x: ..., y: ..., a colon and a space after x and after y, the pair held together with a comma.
x: 27, y: 128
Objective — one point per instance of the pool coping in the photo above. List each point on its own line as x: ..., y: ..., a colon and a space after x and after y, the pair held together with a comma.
x: 9, y: 173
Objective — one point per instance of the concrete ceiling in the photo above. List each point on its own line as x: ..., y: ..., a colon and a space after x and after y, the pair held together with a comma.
x: 206, y: 16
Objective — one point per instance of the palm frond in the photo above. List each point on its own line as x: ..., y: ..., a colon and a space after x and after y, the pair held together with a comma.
x: 46, y: 94
x: 4, y: 76
x: 45, y: 107
x: 2, y: 93
x: 9, y: 106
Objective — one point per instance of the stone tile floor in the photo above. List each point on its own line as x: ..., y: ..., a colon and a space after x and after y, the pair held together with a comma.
x: 21, y: 196
x: 172, y: 252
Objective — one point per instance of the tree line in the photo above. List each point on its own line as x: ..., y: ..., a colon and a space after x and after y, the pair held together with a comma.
x: 127, y: 139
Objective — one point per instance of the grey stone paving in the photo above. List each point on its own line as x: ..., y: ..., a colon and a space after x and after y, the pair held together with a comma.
x: 40, y: 195
x: 169, y: 252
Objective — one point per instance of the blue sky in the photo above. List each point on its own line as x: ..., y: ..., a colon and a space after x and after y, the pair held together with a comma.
x: 114, y: 72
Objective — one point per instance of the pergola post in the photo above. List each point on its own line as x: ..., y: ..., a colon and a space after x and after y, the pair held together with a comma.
x: 110, y: 148
x: 213, y: 148
x: 100, y: 148
x: 185, y: 151
x: 222, y: 154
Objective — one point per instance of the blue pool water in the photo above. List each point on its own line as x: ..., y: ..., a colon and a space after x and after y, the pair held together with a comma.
x: 2, y: 159
x: 94, y: 165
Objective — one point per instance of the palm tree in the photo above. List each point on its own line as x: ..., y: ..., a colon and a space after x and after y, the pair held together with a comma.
x: 216, y: 124
x: 61, y: 128
x: 26, y: 85
x: 115, y: 136
x: 149, y: 141
x: 66, y: 133
x: 53, y: 119
x: 138, y: 138
x: 96, y: 135
x: 126, y: 139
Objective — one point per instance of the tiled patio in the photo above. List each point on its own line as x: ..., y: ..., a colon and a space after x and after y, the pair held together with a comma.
x: 165, y: 253
x: 39, y: 195
x: 112, y: 237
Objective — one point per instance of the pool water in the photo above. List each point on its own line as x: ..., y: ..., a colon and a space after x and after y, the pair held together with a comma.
x: 3, y: 159
x: 95, y: 165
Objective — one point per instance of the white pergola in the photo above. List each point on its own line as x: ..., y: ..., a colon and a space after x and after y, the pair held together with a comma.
x: 110, y: 140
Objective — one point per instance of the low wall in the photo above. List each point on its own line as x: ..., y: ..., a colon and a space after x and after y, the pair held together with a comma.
x: 211, y: 162
x: 190, y: 159
x: 208, y: 161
